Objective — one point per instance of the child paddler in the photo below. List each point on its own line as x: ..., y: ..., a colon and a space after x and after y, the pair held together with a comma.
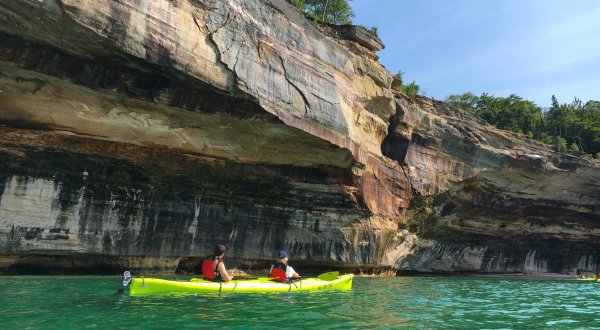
x: 280, y: 270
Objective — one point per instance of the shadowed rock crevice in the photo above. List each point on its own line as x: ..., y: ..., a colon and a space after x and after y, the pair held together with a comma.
x: 396, y: 142
x: 395, y: 147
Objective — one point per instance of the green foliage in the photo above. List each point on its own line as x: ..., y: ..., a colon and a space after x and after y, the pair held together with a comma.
x: 560, y: 143
x: 511, y: 113
x: 327, y: 11
x: 576, y: 125
x: 467, y: 101
x: 577, y: 122
x: 300, y: 4
x: 544, y: 137
x: 397, y: 82
x: 411, y: 90
x: 373, y: 30
x: 574, y: 147
x: 597, y: 156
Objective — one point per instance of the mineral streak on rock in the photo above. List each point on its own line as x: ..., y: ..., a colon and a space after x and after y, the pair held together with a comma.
x: 138, y: 134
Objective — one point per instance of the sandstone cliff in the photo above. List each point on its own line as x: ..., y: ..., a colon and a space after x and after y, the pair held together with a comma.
x: 138, y: 134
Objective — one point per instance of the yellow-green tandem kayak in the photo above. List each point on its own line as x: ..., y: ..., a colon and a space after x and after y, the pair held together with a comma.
x: 586, y: 279
x: 145, y: 286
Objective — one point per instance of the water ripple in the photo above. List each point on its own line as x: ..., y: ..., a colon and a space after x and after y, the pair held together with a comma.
x: 390, y: 303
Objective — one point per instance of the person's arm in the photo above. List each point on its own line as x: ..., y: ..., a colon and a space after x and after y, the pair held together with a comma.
x: 224, y: 274
x: 291, y: 270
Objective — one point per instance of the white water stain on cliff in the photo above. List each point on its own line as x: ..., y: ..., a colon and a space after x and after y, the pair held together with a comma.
x: 534, y: 265
x: 587, y: 262
x: 28, y: 202
x: 37, y: 204
x: 431, y: 256
x: 496, y: 263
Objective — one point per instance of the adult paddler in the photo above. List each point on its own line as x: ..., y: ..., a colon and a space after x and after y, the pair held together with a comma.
x: 213, y: 267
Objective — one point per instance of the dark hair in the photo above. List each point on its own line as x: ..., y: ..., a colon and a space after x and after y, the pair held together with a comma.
x: 219, y: 250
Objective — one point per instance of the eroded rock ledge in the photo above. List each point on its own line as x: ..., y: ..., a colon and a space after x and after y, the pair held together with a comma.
x: 138, y: 135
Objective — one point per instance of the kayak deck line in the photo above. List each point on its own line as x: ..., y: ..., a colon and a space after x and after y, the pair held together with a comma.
x: 146, y: 286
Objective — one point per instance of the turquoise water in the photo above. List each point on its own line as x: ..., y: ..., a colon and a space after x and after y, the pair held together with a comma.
x: 81, y: 302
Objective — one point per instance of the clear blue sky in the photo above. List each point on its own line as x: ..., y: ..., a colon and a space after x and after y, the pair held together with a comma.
x: 532, y: 48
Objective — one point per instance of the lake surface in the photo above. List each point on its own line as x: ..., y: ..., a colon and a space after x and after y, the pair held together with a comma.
x: 81, y: 302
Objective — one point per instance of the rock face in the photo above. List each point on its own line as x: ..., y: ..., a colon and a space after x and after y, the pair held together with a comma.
x: 490, y: 201
x: 357, y: 34
x: 139, y: 134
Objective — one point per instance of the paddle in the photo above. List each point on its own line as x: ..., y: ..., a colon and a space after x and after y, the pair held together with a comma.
x: 262, y: 278
x: 329, y: 276
x: 236, y: 278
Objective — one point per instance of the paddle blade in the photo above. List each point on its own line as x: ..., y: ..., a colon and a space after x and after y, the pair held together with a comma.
x: 330, y: 276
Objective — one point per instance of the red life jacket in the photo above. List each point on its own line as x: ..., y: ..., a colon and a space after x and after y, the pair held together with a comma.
x: 278, y: 271
x: 210, y: 268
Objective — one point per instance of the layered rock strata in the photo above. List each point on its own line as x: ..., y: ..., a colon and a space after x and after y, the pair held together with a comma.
x: 137, y: 133
x: 492, y: 201
x: 140, y: 134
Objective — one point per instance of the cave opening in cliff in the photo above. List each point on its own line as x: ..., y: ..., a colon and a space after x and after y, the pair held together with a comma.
x: 395, y: 147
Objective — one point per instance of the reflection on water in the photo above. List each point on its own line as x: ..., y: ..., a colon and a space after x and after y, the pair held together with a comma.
x: 414, y: 302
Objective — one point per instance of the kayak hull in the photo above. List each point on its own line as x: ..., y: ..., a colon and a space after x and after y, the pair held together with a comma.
x: 147, y: 286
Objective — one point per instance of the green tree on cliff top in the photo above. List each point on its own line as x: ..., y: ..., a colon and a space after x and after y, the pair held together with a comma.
x: 327, y: 11
x: 574, y: 125
x: 467, y: 101
x: 411, y: 89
